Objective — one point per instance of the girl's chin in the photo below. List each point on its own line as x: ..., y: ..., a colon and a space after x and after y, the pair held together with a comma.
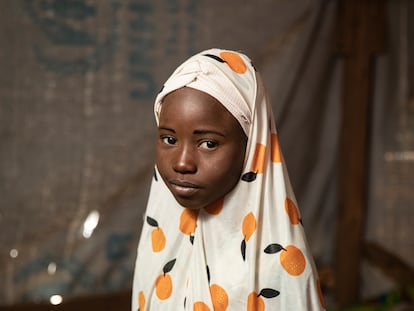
x: 189, y: 204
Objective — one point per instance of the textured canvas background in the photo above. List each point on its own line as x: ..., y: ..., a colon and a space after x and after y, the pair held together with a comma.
x: 77, y: 81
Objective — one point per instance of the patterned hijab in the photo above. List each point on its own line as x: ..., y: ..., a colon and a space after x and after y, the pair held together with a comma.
x: 246, y: 251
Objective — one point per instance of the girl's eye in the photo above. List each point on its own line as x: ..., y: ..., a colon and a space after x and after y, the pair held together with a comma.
x: 209, y: 144
x: 169, y: 140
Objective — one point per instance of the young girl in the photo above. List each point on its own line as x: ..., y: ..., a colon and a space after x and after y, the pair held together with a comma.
x: 222, y: 230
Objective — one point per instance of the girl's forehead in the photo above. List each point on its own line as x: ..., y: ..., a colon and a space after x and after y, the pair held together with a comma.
x: 196, y: 109
x: 189, y: 100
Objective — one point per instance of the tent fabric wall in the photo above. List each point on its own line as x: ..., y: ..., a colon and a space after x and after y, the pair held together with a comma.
x: 77, y: 83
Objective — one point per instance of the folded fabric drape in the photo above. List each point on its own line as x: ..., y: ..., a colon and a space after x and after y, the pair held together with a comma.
x: 246, y: 251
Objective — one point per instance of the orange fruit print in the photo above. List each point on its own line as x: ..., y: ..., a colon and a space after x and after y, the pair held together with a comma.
x: 259, y: 159
x: 291, y: 258
x: 234, y: 61
x: 188, y: 221
x: 201, y: 306
x: 158, y: 239
x: 275, y: 149
x: 219, y: 298
x: 257, y: 165
x: 292, y: 211
x: 141, y: 301
x: 163, y: 286
x: 163, y: 283
x: 248, y: 226
x: 255, y: 301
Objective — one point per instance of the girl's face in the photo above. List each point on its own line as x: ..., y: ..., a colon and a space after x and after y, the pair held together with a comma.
x: 200, y: 148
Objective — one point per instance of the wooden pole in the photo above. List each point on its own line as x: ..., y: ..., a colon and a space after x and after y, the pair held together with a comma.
x: 361, y: 36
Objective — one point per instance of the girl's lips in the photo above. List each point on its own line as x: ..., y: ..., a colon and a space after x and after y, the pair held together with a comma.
x: 183, y: 188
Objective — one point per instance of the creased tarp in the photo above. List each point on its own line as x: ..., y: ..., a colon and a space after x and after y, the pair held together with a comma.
x: 77, y: 82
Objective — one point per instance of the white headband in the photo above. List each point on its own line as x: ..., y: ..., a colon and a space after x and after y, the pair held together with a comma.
x: 209, y: 72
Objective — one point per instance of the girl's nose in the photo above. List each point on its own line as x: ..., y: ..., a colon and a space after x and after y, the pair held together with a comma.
x: 184, y: 161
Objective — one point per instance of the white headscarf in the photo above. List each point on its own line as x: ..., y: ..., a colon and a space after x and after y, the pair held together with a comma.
x: 247, y: 251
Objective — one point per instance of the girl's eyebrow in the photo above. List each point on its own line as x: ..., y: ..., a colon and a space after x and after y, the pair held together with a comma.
x: 166, y: 129
x: 208, y: 132
x: 195, y: 132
